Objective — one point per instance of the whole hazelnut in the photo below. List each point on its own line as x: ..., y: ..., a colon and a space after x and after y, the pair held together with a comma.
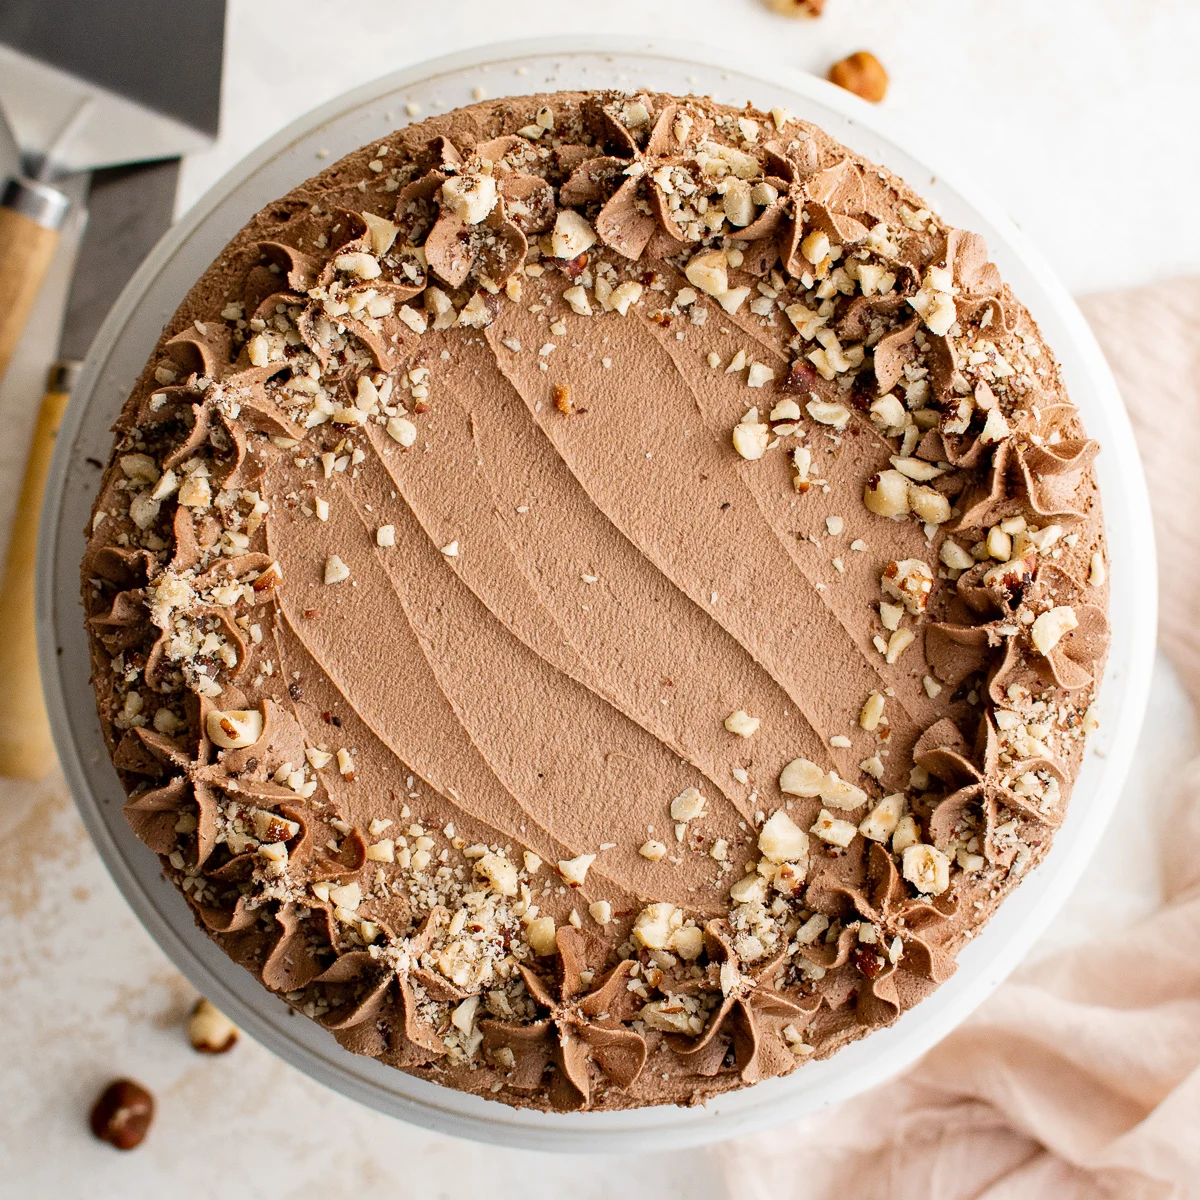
x: 209, y: 1030
x: 122, y: 1114
x: 861, y: 73
x: 796, y: 8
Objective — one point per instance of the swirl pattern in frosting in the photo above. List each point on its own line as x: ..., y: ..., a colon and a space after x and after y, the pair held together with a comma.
x: 596, y: 597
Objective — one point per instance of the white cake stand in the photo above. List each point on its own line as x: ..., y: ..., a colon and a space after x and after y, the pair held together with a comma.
x: 128, y: 337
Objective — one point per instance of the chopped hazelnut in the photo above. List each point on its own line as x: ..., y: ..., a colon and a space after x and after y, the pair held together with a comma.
x: 759, y: 375
x: 195, y: 492
x: 906, y: 834
x: 382, y: 851
x: 402, y: 430
x: 815, y: 246
x: 624, y: 295
x: 380, y: 232
x: 574, y: 870
x: 928, y: 504
x: 577, y: 298
x: 335, y: 570
x: 140, y: 468
x: 872, y: 711
x: 500, y: 873
x: 995, y: 428
x: 1049, y: 628
x: 750, y: 889
x: 539, y: 933
x: 655, y: 924
x: 999, y: 543
x: 926, y: 868
x: 572, y: 235
x: 708, y: 271
x: 463, y: 1016
x: 888, y: 412
x: 782, y: 840
x: 833, y: 830
x: 887, y: 494
x: 750, y: 438
x: 910, y: 581
x: 955, y: 557
x: 897, y: 644
x: 802, y: 777
x: 840, y: 793
x: 687, y: 942
x: 234, y: 728
x: 209, y: 1030
x: 688, y: 805
x: 826, y: 412
x: 880, y: 823
x: 365, y: 266
x: 742, y: 724
x: 470, y: 197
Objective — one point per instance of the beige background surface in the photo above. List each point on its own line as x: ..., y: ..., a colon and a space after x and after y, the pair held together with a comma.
x: 1046, y: 104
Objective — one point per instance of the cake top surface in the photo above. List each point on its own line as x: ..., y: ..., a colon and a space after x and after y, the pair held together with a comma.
x: 596, y: 597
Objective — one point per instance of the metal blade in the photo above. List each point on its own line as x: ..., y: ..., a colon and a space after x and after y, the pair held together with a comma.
x: 10, y: 156
x: 152, y: 69
x: 129, y: 209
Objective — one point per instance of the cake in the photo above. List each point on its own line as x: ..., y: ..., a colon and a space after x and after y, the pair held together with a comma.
x: 596, y: 598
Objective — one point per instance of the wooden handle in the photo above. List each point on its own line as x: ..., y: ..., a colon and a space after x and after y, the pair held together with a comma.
x: 26, y: 748
x: 26, y: 249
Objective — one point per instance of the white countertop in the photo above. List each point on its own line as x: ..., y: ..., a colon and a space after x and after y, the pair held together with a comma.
x: 1042, y: 103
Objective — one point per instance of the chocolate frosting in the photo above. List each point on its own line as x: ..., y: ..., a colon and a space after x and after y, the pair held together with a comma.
x: 499, y: 630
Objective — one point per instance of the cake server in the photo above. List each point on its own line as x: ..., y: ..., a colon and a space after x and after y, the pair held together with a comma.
x: 151, y: 70
x: 85, y: 86
x: 31, y: 216
x: 129, y: 209
x: 88, y: 86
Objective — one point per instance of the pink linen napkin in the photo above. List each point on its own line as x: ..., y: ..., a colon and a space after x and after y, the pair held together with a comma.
x: 1080, y: 1077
